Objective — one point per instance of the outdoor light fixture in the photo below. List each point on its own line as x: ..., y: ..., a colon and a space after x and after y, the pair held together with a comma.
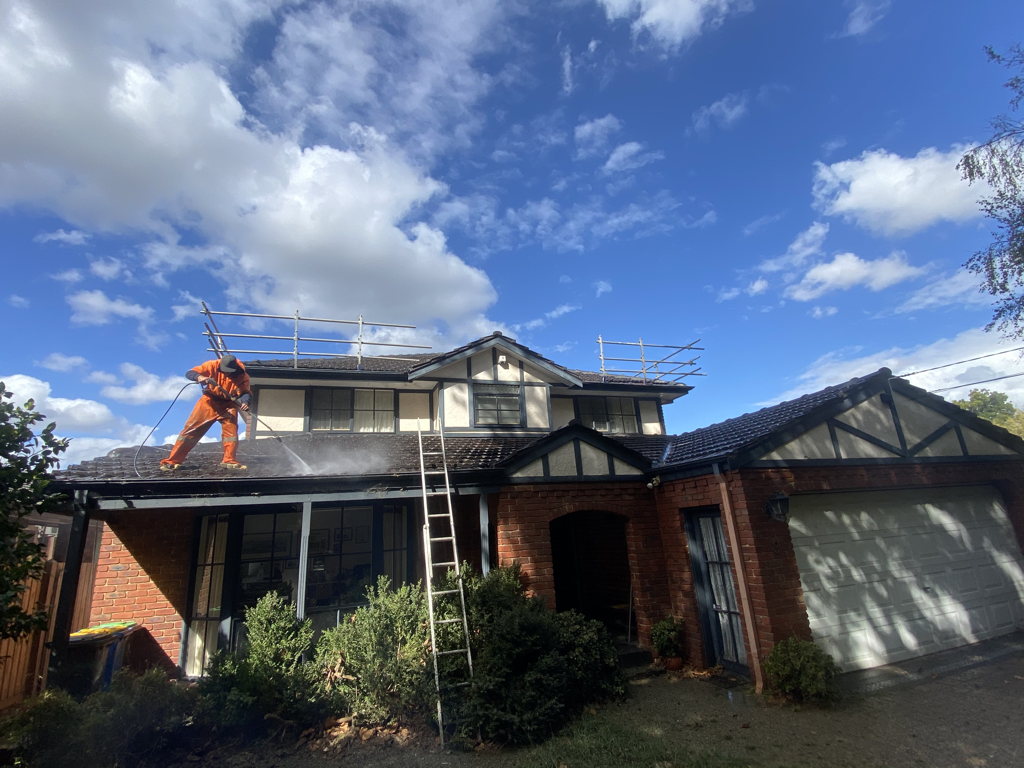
x: 502, y: 360
x: 654, y: 483
x: 777, y: 507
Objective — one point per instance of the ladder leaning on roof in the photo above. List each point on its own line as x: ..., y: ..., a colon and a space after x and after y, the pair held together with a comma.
x: 442, y: 536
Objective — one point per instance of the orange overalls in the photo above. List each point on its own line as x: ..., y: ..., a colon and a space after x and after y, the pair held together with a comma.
x: 213, y: 406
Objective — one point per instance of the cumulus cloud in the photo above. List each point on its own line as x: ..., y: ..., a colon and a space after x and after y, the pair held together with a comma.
x: 593, y: 136
x: 148, y: 387
x: 844, y: 364
x: 96, y: 308
x: 629, y: 157
x: 69, y: 276
x: 807, y: 244
x: 757, y: 287
x: 893, y: 195
x: 819, y: 312
x: 673, y: 22
x: 602, y: 287
x: 727, y: 294
x: 847, y: 270
x: 74, y: 237
x: 108, y: 269
x: 864, y: 15
x: 92, y: 425
x: 724, y: 113
x: 56, y: 361
x: 961, y: 289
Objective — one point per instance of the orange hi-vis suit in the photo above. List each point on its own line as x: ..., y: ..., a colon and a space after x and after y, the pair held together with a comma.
x: 213, y: 406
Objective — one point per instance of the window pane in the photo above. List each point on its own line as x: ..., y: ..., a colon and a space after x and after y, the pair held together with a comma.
x: 629, y: 424
x: 319, y: 419
x: 363, y: 421
x: 384, y: 399
x: 364, y: 399
x: 340, y: 419
x: 321, y: 399
x: 486, y: 417
x: 342, y: 399
x: 384, y: 421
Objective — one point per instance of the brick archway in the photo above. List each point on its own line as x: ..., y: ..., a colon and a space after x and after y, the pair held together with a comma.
x: 525, y: 513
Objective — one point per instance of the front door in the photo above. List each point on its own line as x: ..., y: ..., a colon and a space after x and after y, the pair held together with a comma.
x: 716, y: 594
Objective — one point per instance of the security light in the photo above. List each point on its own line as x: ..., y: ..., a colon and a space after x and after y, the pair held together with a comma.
x: 777, y: 507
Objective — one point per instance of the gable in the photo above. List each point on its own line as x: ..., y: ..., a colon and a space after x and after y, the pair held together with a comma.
x: 576, y: 453
x: 894, y: 426
x: 483, y: 361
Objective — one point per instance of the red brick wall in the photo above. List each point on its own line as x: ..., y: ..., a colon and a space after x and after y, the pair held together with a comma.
x: 142, y: 575
x: 525, y: 512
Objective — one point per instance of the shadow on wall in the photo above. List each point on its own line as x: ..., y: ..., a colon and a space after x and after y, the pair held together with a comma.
x: 892, y: 575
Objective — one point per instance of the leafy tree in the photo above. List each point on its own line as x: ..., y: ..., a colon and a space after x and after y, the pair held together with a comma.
x: 996, y: 407
x: 1000, y: 163
x: 25, y: 463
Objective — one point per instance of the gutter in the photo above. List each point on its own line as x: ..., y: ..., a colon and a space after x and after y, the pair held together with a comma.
x: 741, y: 578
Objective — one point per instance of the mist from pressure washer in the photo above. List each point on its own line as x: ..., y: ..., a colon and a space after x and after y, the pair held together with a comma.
x: 336, y: 461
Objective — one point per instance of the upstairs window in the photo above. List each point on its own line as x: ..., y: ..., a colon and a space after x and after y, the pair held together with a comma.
x: 497, y: 405
x: 615, y: 415
x: 353, y: 410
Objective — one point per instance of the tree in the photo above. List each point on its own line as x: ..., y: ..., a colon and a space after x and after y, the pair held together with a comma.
x: 996, y: 407
x: 1000, y: 163
x: 25, y: 463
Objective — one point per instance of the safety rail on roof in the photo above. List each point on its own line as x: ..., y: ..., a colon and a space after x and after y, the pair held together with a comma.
x: 666, y: 368
x: 220, y: 347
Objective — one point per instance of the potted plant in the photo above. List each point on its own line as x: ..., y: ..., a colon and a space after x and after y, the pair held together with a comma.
x: 667, y: 637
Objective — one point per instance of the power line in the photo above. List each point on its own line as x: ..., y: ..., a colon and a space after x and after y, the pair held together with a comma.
x: 975, y: 383
x: 960, y: 362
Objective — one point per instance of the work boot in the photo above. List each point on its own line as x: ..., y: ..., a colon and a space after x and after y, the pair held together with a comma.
x: 168, y: 467
x: 232, y: 465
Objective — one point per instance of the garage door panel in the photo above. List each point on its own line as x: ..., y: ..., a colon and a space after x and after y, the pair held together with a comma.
x: 889, y: 576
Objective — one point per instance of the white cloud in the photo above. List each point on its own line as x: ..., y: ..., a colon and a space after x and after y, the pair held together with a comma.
x: 99, y: 429
x: 807, y: 244
x: 629, y: 157
x: 842, y: 365
x: 894, y: 195
x: 56, y: 361
x: 565, y: 279
x: 762, y: 222
x: 18, y: 302
x: 74, y: 237
x: 96, y: 308
x: 727, y: 294
x: 602, y: 287
x: 847, y: 270
x: 757, y: 287
x: 148, y: 387
x: 592, y: 137
x: 819, y: 312
x: 560, y: 310
x: 108, y: 269
x: 725, y: 112
x: 564, y: 347
x: 673, y: 22
x: 101, y: 377
x: 864, y: 14
x: 189, y: 308
x: 69, y: 276
x: 961, y: 289
x: 567, y: 79
x: 833, y: 145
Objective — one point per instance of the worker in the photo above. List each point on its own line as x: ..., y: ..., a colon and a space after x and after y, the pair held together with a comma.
x: 225, y: 389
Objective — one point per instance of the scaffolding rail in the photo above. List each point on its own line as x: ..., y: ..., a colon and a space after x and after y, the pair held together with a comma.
x: 220, y: 347
x: 664, y: 368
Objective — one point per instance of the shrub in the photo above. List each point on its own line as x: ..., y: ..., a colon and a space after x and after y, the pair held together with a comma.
x: 268, y: 676
x: 134, y: 721
x: 375, y: 661
x: 667, y: 638
x: 800, y: 669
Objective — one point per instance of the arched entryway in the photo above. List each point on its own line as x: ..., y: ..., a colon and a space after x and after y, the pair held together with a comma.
x: 591, y: 569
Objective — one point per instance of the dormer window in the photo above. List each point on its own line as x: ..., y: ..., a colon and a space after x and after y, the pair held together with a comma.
x: 498, y: 405
x: 614, y: 415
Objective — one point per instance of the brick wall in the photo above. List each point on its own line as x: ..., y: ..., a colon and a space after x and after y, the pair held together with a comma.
x: 525, y: 512
x: 142, y: 575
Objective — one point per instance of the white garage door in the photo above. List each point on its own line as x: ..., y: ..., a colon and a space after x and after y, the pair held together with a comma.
x: 892, y: 575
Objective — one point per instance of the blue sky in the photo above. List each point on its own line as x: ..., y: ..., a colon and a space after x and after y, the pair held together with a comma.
x: 774, y: 178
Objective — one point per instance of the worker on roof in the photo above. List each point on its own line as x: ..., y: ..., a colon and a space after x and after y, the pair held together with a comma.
x: 225, y: 389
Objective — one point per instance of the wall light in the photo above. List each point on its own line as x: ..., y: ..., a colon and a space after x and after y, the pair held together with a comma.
x: 654, y: 483
x: 777, y: 507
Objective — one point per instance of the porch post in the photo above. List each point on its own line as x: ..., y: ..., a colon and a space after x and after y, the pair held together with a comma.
x: 300, y: 592
x: 65, y: 610
x: 485, y: 535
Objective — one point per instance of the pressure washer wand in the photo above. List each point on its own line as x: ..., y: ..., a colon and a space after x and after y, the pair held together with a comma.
x: 236, y: 401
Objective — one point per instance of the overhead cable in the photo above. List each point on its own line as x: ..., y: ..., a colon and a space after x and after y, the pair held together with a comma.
x: 959, y: 362
x: 975, y: 383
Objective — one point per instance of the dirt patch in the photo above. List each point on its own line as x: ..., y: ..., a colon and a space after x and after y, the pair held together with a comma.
x: 974, y: 717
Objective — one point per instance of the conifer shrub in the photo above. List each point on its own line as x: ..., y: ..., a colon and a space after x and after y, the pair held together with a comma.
x: 374, y: 663
x: 801, y: 670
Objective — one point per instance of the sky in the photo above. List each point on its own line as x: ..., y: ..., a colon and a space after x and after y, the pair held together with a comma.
x: 774, y: 178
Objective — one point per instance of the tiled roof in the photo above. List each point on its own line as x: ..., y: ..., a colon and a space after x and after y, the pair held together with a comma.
x: 729, y: 437
x: 328, y: 455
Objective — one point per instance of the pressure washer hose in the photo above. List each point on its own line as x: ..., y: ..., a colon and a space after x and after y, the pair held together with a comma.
x: 138, y: 450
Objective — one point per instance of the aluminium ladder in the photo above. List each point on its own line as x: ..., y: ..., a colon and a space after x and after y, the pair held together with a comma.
x: 441, y: 536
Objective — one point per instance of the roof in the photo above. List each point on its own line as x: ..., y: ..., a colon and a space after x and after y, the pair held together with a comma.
x: 730, y: 437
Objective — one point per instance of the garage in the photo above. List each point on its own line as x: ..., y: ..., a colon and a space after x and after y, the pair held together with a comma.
x: 890, y: 575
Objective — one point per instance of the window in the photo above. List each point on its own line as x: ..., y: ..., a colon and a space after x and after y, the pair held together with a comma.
x: 609, y: 414
x: 207, y: 594
x: 356, y: 410
x: 497, y: 404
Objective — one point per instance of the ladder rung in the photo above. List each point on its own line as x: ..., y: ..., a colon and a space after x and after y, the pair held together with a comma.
x: 433, y: 453
x: 448, y: 621
x: 445, y: 592
x: 438, y: 493
x: 449, y: 653
x: 439, y: 514
x: 442, y: 538
x: 439, y: 565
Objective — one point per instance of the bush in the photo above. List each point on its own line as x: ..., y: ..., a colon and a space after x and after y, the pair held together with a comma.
x: 667, y: 638
x: 375, y: 661
x: 800, y: 669
x: 268, y: 676
x: 133, y: 722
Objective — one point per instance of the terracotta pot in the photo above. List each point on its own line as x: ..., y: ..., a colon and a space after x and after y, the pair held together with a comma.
x: 673, y: 663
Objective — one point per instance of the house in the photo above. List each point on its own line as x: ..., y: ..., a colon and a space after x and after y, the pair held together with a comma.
x: 873, y: 517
